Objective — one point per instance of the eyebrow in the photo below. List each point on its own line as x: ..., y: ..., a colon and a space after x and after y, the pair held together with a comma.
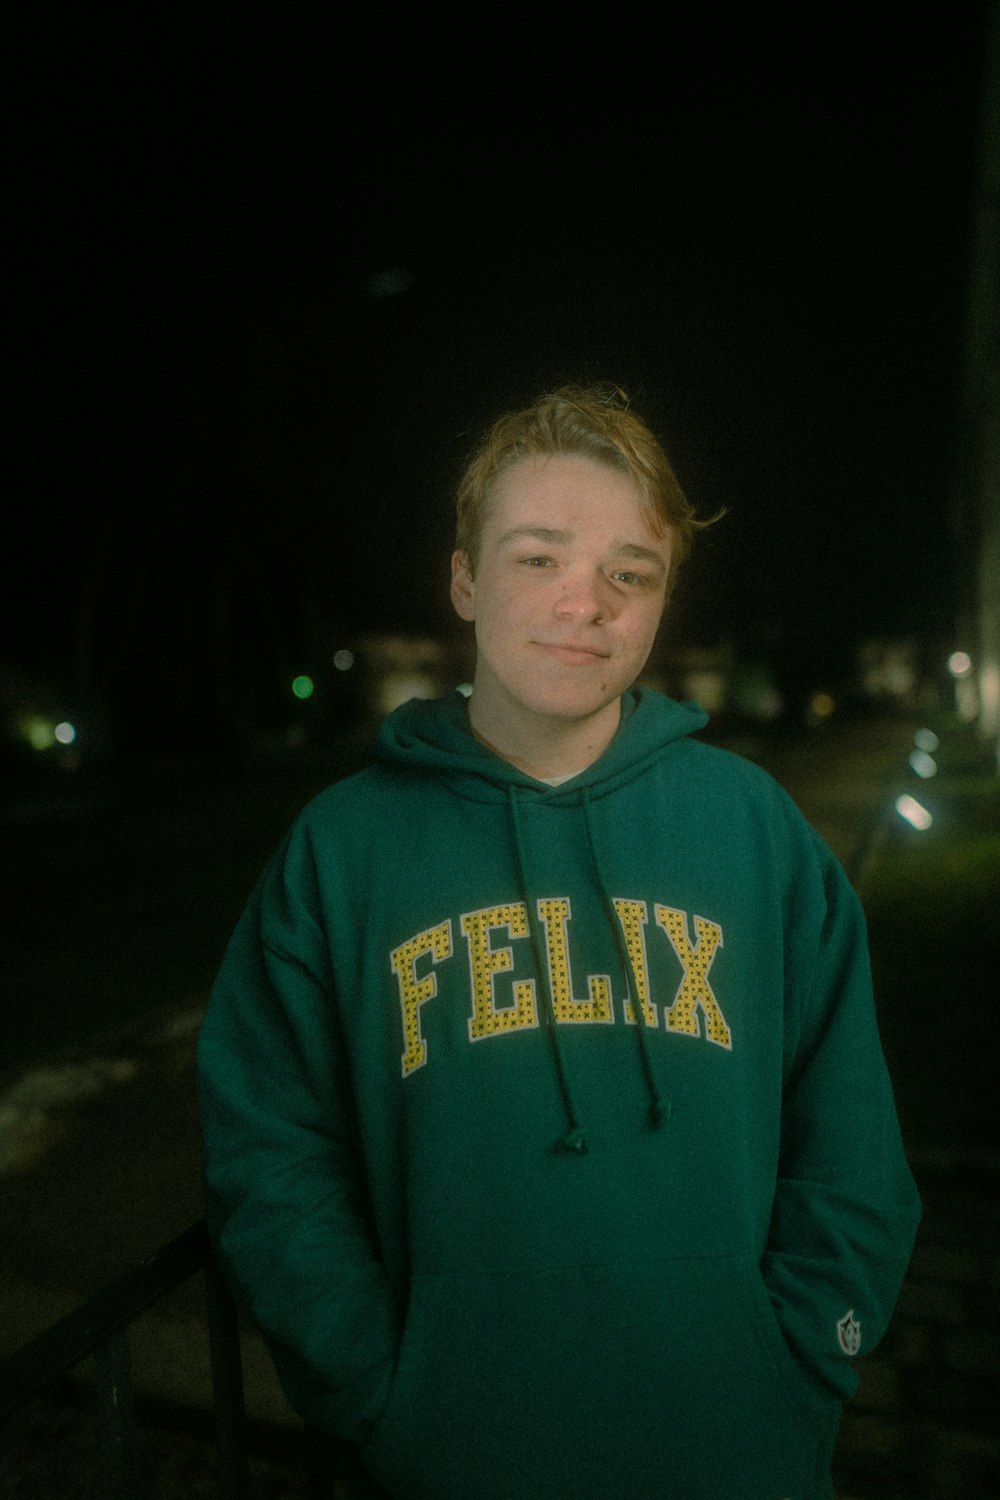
x: 640, y: 554
x: 555, y: 537
x: 538, y: 534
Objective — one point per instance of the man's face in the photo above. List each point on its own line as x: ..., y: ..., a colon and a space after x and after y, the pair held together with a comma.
x: 567, y: 595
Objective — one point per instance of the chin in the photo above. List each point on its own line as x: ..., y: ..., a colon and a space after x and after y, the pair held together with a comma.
x: 573, y: 708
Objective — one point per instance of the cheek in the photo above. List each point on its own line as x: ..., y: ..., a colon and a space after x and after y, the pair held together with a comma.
x: 642, y: 623
x: 507, y: 605
x: 497, y: 621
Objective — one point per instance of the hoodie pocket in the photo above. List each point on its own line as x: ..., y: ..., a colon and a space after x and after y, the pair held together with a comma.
x: 660, y: 1378
x: 807, y: 1398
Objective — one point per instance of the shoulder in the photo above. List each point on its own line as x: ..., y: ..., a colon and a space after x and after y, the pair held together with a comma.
x: 350, y: 805
x: 747, y: 807
x: 718, y: 769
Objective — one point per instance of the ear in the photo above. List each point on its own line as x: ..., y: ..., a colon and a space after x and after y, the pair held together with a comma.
x: 463, y: 588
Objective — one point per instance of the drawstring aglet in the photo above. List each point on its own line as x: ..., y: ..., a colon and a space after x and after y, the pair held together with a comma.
x: 574, y: 1140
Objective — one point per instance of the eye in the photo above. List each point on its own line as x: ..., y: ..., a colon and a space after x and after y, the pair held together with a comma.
x: 631, y: 580
x: 538, y: 562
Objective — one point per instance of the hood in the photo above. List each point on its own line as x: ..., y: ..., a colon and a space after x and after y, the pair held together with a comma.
x: 434, y: 735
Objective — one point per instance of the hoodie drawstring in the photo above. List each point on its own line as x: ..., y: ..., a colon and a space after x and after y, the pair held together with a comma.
x: 660, y: 1109
x: 575, y: 1138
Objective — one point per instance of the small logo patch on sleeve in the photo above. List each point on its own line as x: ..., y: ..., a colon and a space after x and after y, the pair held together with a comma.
x: 849, y: 1334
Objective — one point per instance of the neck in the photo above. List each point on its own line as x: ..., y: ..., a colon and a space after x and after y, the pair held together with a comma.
x: 558, y: 748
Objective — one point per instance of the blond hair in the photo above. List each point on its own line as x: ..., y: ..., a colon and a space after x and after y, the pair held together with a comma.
x: 585, y: 422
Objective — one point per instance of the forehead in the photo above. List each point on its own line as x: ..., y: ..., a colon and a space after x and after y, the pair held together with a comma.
x: 569, y: 486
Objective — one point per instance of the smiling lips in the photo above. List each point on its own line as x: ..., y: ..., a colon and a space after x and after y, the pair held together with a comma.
x: 572, y: 655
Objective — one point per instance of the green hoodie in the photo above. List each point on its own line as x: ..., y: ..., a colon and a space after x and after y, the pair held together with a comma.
x: 548, y: 1136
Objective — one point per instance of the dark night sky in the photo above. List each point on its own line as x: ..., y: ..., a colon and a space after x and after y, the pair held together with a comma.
x: 758, y: 226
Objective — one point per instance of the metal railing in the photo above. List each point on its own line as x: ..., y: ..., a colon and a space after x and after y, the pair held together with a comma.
x: 99, y: 1331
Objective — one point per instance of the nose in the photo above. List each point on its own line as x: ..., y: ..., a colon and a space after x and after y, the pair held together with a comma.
x: 584, y: 596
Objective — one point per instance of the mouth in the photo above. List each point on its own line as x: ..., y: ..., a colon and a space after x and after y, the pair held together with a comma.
x: 573, y: 656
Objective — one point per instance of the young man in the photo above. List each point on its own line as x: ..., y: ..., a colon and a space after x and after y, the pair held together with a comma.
x: 548, y: 1136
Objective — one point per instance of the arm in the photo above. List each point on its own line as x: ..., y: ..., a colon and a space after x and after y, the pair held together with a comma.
x: 846, y: 1208
x: 285, y: 1200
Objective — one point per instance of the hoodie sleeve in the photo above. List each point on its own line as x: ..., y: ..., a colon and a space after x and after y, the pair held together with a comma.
x: 846, y: 1208
x: 285, y: 1204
